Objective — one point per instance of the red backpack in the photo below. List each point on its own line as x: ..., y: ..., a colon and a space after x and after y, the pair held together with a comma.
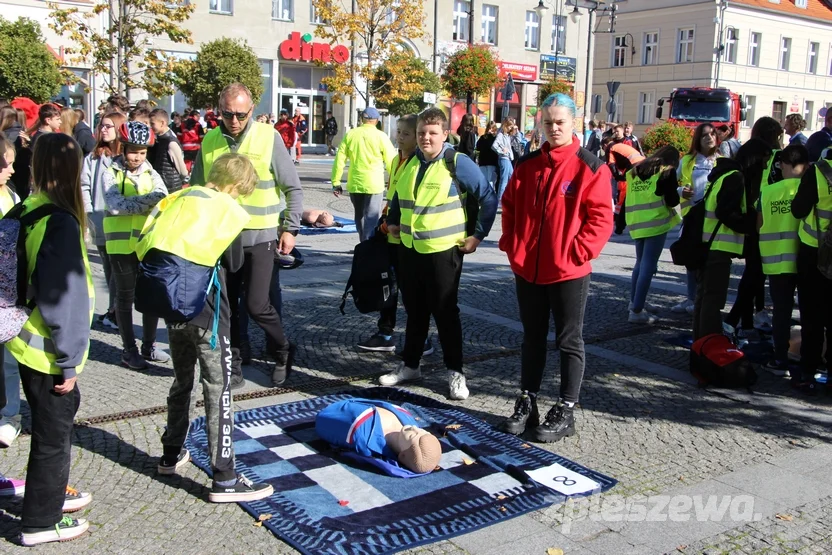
x: 715, y: 360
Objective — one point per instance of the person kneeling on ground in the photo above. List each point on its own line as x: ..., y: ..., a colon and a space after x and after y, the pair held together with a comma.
x: 382, y: 434
x: 202, y: 225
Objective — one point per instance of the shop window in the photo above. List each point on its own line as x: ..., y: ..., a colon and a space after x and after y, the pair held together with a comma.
x: 295, y: 77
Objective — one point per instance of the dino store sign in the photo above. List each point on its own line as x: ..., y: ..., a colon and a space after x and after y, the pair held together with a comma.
x: 301, y: 48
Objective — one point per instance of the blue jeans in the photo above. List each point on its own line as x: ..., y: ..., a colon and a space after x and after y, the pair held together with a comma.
x: 648, y: 251
x: 275, y: 296
x: 490, y: 174
x: 690, y: 278
x: 504, y: 174
x: 12, y: 375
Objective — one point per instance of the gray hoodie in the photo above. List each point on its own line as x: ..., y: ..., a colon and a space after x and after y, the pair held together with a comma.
x: 92, y: 191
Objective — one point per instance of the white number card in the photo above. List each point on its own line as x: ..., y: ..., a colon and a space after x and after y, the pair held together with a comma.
x: 562, y: 480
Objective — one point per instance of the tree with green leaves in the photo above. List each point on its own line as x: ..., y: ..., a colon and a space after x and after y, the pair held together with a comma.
x: 27, y: 67
x: 218, y: 64
x: 404, y: 66
x: 124, y: 51
x: 472, y: 69
x: 552, y: 86
x: 666, y: 133
x: 377, y: 28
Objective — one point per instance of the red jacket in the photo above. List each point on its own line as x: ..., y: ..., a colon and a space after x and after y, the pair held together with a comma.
x: 287, y: 131
x: 557, y: 214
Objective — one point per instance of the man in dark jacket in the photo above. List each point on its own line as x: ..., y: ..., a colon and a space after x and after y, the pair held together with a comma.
x: 330, y: 130
x: 166, y: 155
x: 820, y: 140
x: 82, y: 133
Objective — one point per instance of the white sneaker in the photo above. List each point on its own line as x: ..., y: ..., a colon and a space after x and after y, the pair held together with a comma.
x: 400, y: 375
x: 9, y: 430
x: 647, y: 306
x: 457, y: 385
x: 642, y: 317
x: 682, y: 307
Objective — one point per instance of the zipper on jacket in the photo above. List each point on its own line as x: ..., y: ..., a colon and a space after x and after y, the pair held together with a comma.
x: 540, y: 230
x: 537, y: 194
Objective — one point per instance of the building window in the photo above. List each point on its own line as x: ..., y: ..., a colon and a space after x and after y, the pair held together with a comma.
x: 778, y: 110
x: 750, y: 103
x: 650, y: 49
x: 731, y: 43
x: 283, y: 10
x: 754, y: 49
x: 221, y: 6
x: 489, y: 24
x: 461, y: 10
x: 785, y: 53
x: 801, y: 3
x: 646, y: 107
x: 684, y: 53
x: 812, y: 65
x: 265, y: 105
x: 809, y: 114
x: 315, y: 17
x: 532, y: 31
x: 618, y: 99
x: 619, y: 51
x: 559, y: 34
x: 391, y: 11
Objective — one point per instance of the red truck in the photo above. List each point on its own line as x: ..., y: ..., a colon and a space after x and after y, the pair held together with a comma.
x: 695, y: 105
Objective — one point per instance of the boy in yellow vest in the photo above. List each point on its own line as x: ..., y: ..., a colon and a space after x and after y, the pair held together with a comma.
x: 205, y: 339
x: 427, y: 213
x: 779, y: 244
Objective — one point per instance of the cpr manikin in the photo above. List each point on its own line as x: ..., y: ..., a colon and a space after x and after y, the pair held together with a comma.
x: 383, y: 434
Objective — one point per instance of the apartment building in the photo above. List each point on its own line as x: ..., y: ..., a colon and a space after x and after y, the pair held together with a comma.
x: 777, y: 54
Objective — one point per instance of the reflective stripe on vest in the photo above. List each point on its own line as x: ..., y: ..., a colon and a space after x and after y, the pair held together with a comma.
x: 196, y: 224
x: 122, y: 232
x: 263, y: 205
x: 725, y: 239
x: 433, y: 221
x: 645, y: 213
x: 809, y: 234
x: 779, y: 239
x: 33, y: 346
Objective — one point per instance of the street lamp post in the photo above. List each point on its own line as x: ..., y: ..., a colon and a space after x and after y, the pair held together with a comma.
x: 723, y: 5
x: 469, y: 97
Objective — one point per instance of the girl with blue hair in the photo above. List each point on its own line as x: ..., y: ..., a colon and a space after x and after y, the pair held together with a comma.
x: 557, y: 216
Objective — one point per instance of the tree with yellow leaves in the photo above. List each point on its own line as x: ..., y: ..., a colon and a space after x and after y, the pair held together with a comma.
x: 123, y: 50
x: 378, y: 29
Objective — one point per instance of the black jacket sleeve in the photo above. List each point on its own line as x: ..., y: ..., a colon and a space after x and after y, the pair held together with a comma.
x: 667, y: 187
x: 807, y: 194
x: 729, y: 206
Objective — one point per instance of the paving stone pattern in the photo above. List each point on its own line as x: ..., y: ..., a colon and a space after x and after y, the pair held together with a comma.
x: 652, y: 432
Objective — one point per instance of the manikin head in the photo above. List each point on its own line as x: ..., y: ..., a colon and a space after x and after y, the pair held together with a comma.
x: 418, y: 450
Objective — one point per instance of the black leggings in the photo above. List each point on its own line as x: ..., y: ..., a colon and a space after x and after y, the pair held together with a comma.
x: 566, y: 301
x: 125, y: 268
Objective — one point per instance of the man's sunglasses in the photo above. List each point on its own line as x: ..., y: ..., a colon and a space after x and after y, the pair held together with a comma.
x: 241, y: 116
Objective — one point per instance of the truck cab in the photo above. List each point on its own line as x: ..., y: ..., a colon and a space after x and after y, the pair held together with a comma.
x: 695, y: 105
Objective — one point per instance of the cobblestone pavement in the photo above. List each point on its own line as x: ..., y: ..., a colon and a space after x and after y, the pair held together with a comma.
x: 640, y: 420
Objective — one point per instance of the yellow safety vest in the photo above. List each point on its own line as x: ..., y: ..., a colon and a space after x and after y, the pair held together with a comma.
x: 395, y: 174
x: 432, y: 219
x: 688, y: 162
x: 263, y: 205
x: 33, y: 346
x: 778, y: 236
x: 196, y: 224
x: 725, y: 240
x: 122, y: 232
x: 646, y: 214
x: 809, y: 232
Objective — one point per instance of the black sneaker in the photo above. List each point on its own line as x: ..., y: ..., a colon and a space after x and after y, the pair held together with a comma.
x: 245, y: 352
x: 525, y: 416
x: 237, y: 381
x: 282, y: 365
x: 243, y: 490
x: 559, y: 423
x: 133, y: 360
x: 65, y: 530
x: 169, y: 464
x: 75, y: 500
x: 378, y: 343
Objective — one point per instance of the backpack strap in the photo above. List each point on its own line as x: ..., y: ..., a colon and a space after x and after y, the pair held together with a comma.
x: 825, y: 170
x: 346, y: 294
x: 215, y: 325
x: 450, y: 161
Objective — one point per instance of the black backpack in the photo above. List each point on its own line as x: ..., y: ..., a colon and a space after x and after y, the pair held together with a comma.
x: 689, y: 250
x: 372, y: 281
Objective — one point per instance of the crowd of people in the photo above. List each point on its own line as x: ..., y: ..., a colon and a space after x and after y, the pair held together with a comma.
x: 223, y: 235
